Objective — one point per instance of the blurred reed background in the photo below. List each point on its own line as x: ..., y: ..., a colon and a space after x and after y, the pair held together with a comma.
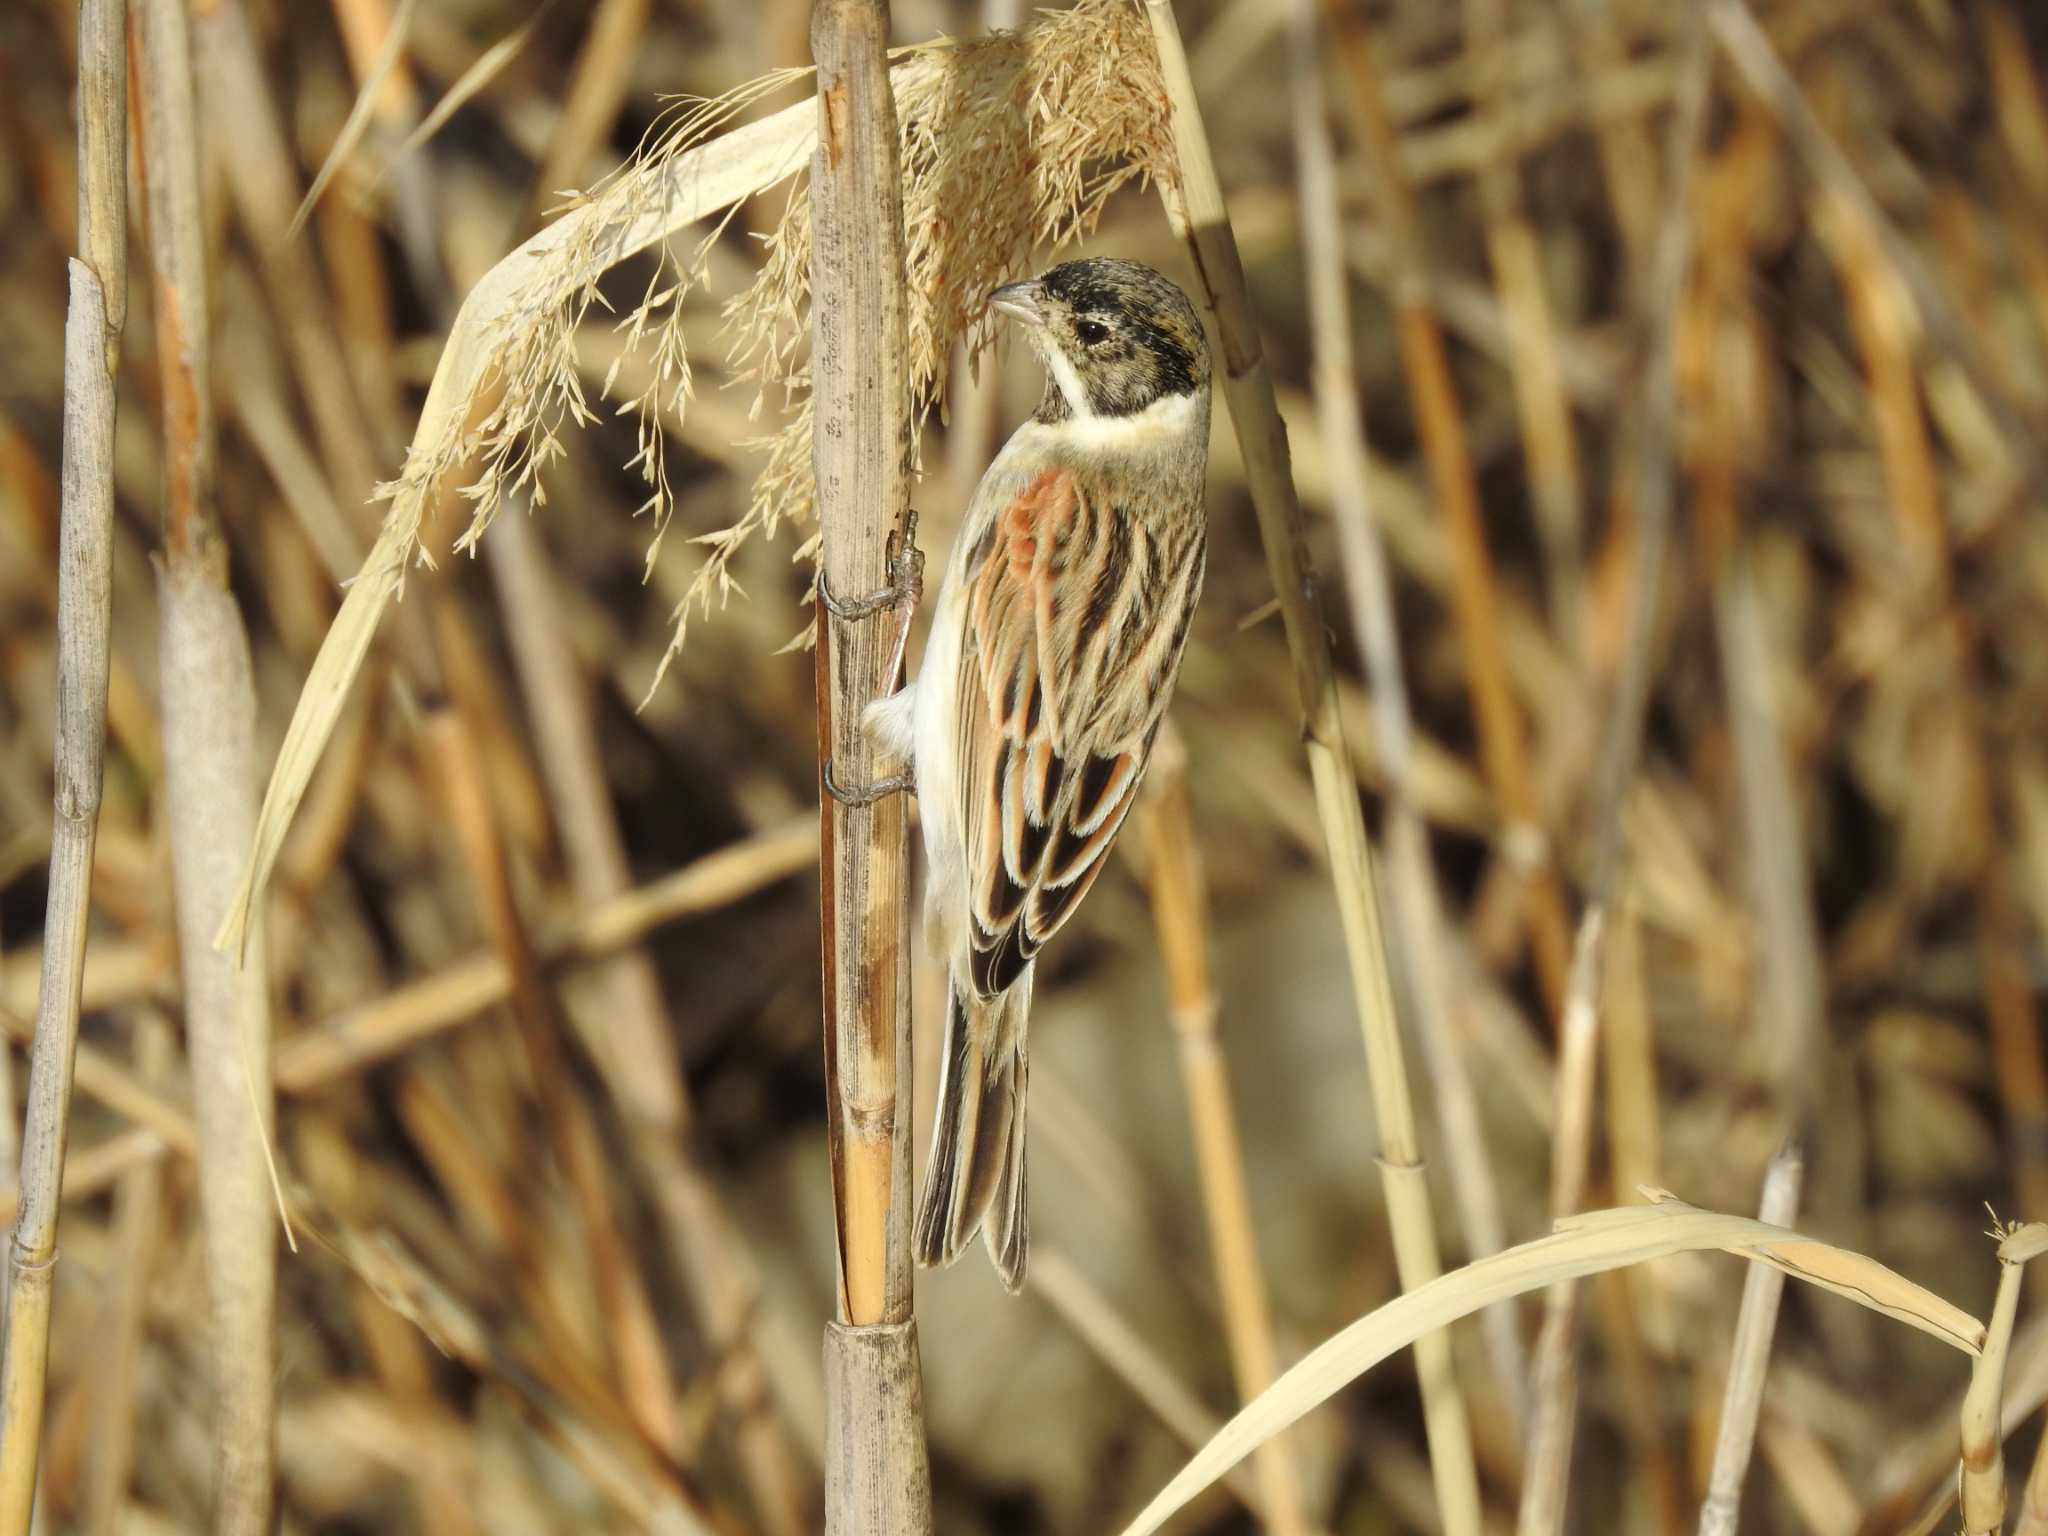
x: 543, y: 938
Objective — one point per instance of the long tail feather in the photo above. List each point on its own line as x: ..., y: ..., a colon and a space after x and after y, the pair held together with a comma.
x: 975, y: 1178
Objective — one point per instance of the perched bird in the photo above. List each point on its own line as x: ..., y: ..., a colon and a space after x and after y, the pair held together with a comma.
x: 1053, y: 649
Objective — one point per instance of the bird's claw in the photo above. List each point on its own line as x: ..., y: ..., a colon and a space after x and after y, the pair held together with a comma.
x: 862, y: 795
x: 904, y: 592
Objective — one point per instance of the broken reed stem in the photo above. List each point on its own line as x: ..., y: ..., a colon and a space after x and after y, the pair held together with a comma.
x: 1749, y: 1356
x: 92, y: 343
x: 1475, y: 594
x: 876, y: 1478
x: 1196, y: 209
x: 210, y: 791
x: 1980, y: 1487
x: 1546, y: 1485
x: 1180, y: 912
x: 1553, y: 1381
x: 1418, y: 909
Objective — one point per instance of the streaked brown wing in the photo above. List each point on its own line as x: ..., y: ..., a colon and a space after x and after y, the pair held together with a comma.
x: 1076, y: 617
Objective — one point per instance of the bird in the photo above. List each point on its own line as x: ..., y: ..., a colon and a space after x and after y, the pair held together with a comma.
x: 1053, y: 649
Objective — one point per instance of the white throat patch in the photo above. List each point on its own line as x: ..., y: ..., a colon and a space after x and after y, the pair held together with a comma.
x: 1071, y: 388
x: 1165, y: 423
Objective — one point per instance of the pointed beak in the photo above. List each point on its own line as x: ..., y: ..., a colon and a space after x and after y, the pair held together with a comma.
x: 1020, y: 301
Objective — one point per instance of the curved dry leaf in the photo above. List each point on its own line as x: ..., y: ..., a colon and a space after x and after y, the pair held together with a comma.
x: 1584, y: 1245
x: 697, y: 183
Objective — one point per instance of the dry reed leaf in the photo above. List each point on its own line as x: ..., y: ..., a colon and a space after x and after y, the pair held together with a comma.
x: 489, y: 65
x: 358, y: 121
x: 1582, y: 1245
x: 1007, y: 140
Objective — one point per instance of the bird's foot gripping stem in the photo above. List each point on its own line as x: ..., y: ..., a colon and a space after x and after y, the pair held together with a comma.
x: 901, y: 597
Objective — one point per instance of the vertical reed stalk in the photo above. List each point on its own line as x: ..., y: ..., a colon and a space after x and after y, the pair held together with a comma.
x: 1750, y: 1355
x: 92, y: 345
x: 1197, y: 211
x: 1180, y: 911
x: 876, y: 1479
x: 138, y: 1233
x: 1418, y: 908
x: 210, y: 784
x: 1980, y: 1480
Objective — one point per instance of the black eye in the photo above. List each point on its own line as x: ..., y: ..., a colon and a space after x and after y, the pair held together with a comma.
x: 1092, y: 331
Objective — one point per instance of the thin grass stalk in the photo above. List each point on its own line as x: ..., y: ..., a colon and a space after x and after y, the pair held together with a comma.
x: 138, y: 1234
x: 1180, y: 912
x: 1475, y: 595
x: 1546, y: 1485
x: 1418, y: 908
x: 1067, y: 1291
x: 1628, y: 1057
x: 876, y: 1477
x: 2021, y: 107
x: 1749, y: 1356
x: 598, y: 87
x: 92, y: 342
x: 1196, y: 209
x: 10, y: 1132
x: 103, y: 1079
x: 211, y: 783
x: 1774, y: 844
x: 1980, y: 1481
x: 639, y: 1358
x: 1553, y: 1382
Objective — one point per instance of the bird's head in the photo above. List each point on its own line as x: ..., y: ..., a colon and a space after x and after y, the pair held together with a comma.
x: 1116, y: 338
